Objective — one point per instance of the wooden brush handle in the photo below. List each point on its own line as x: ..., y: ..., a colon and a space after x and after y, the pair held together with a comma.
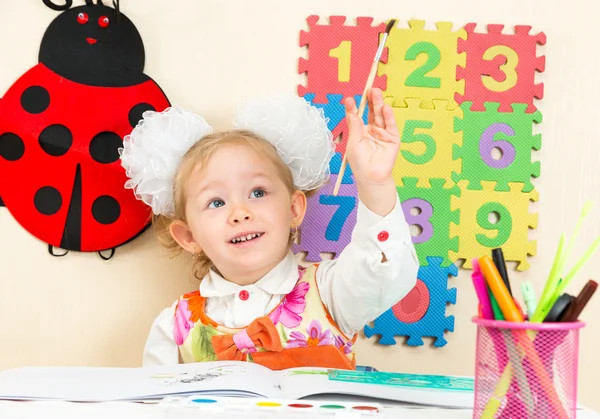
x: 361, y: 110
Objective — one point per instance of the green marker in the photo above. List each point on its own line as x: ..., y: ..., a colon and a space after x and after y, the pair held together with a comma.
x: 529, y: 297
x: 495, y: 307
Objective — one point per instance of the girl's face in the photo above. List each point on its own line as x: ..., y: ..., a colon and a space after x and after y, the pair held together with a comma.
x: 239, y: 212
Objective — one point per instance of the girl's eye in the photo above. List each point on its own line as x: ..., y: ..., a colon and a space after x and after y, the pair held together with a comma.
x: 258, y: 193
x: 216, y: 203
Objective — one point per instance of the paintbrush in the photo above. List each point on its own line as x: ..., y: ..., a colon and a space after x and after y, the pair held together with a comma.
x: 363, y: 100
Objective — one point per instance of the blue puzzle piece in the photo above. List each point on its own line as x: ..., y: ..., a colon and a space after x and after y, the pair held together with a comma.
x: 334, y: 108
x: 434, y: 323
x: 335, y: 164
x: 335, y: 112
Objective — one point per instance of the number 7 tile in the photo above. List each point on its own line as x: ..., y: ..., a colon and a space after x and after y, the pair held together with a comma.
x: 327, y: 227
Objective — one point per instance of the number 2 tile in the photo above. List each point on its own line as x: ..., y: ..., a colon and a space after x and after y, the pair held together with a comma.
x: 422, y: 63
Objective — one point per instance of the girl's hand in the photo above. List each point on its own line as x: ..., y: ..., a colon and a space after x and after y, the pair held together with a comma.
x: 372, y: 149
x: 371, y: 152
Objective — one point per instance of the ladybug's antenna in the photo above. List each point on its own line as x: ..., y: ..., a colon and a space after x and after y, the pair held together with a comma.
x: 50, y: 4
x: 100, y: 3
x: 116, y: 5
x: 89, y: 2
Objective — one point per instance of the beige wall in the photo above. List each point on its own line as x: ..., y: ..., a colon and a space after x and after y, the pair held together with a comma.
x: 207, y: 55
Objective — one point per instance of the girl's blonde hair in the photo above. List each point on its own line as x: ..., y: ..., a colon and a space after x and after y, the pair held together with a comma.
x: 199, y: 154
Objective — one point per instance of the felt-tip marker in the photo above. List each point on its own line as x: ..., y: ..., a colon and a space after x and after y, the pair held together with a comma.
x: 481, y: 291
x: 498, y: 258
x: 576, y: 307
x: 529, y: 297
x: 496, y: 284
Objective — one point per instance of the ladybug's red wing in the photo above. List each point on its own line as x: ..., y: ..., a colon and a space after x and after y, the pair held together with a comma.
x: 35, y: 185
x: 60, y: 173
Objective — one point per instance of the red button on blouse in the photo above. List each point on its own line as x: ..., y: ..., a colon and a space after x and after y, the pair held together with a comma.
x: 244, y: 295
x: 383, y: 236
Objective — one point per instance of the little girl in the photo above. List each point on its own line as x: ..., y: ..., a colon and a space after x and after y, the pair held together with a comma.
x: 235, y: 201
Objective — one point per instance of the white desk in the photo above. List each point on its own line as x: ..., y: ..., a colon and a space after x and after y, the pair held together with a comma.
x: 64, y: 410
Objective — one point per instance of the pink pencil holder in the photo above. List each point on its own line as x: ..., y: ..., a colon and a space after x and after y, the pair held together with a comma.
x: 526, y: 370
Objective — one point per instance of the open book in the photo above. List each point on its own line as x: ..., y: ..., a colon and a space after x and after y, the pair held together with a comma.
x: 228, y: 379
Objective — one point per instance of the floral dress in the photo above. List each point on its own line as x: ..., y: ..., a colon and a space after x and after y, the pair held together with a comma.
x: 298, y: 332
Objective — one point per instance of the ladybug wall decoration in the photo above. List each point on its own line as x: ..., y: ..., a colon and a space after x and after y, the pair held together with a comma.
x: 62, y: 123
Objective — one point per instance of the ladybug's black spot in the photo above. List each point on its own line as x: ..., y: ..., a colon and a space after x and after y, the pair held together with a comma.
x: 35, y: 99
x: 135, y: 114
x: 47, y: 200
x: 106, y: 209
x: 11, y: 146
x: 104, y: 147
x: 56, y: 140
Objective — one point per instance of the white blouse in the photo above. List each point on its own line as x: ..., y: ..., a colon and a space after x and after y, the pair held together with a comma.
x: 356, y: 287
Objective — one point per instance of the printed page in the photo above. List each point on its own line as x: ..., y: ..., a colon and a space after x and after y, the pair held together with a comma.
x: 298, y: 383
x: 242, y: 379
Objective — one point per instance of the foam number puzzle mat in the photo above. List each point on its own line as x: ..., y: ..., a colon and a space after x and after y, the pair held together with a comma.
x: 465, y: 101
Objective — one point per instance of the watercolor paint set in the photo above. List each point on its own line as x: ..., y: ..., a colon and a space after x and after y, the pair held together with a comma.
x: 310, y: 408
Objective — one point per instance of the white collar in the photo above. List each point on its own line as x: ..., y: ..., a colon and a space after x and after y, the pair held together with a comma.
x: 279, y: 280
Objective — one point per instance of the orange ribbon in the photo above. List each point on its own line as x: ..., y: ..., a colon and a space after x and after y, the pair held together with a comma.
x: 261, y: 332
